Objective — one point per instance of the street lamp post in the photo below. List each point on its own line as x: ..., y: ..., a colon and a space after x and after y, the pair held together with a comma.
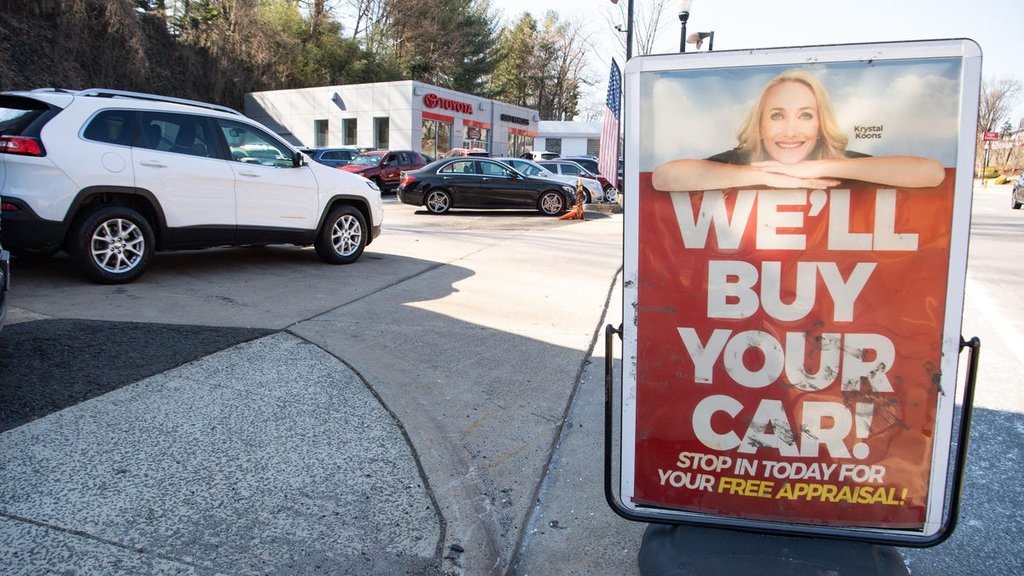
x: 684, y: 15
x: 629, y: 28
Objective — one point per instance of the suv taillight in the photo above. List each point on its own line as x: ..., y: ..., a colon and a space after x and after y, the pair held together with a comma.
x: 20, y: 145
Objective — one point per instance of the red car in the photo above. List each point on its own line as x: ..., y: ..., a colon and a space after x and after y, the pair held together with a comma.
x: 385, y: 167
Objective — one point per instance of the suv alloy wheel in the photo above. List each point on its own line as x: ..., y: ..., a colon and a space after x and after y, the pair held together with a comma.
x: 112, y: 245
x: 342, y: 236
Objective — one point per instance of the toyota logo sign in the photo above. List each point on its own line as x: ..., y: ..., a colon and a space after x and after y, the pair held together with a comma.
x: 432, y: 100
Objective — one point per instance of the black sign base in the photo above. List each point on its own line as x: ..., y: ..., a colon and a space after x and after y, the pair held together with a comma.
x: 678, y: 550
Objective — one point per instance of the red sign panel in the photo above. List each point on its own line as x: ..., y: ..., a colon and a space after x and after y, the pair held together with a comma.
x: 989, y: 136
x: 804, y: 329
x: 794, y: 285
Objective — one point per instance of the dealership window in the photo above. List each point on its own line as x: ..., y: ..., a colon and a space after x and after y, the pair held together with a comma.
x: 437, y: 137
x: 476, y: 137
x: 519, y: 143
x: 348, y: 131
x: 381, y: 127
x: 554, y: 145
x: 593, y: 146
x: 319, y: 133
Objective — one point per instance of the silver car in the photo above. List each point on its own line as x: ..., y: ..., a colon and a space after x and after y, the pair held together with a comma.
x: 592, y: 188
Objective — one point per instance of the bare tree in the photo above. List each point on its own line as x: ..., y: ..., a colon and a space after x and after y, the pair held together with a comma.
x: 998, y: 96
x: 646, y: 17
x: 369, y: 20
x: 996, y: 102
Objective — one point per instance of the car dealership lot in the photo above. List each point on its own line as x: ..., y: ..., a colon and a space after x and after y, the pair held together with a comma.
x: 443, y: 361
x: 441, y: 364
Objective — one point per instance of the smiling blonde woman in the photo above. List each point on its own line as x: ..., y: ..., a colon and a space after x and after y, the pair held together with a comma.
x: 790, y: 139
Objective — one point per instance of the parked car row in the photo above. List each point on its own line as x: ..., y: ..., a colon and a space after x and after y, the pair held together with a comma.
x: 592, y: 188
x: 111, y: 177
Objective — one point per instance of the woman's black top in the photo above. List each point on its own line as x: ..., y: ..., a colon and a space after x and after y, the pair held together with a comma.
x: 738, y: 156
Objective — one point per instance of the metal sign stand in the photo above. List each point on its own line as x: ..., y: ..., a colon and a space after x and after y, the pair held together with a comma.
x: 678, y: 549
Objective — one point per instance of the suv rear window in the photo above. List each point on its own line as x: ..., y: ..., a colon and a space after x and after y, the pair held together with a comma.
x: 338, y: 155
x: 111, y: 126
x: 23, y: 116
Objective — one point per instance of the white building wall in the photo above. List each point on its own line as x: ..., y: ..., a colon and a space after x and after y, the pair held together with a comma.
x: 574, y: 135
x: 291, y: 113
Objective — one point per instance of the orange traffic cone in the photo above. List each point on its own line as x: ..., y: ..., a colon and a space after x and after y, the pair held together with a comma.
x: 577, y: 210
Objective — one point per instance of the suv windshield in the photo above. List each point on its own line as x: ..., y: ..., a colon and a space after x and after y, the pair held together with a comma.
x: 366, y: 160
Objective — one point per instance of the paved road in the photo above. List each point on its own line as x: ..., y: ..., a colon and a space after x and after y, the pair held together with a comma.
x: 988, y: 537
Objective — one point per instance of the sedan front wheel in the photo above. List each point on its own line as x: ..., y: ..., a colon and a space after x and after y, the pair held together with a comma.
x: 551, y: 203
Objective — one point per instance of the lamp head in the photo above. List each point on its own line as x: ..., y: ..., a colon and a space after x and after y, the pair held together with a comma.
x: 698, y: 38
x: 684, y: 8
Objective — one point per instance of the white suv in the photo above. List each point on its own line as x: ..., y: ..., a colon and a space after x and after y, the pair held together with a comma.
x: 112, y: 176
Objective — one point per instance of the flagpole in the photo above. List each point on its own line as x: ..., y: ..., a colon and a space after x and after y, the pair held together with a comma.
x: 629, y: 30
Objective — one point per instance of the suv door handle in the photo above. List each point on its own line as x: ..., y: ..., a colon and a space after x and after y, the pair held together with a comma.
x: 249, y: 173
x: 153, y: 163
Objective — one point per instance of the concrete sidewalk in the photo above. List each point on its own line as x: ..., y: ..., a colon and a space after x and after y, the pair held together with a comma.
x: 572, y: 530
x: 268, y: 457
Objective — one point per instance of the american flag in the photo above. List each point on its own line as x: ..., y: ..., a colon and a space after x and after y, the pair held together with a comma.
x: 608, y: 155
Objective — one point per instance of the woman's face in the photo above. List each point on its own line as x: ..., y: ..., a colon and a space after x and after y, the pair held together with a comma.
x: 789, y: 122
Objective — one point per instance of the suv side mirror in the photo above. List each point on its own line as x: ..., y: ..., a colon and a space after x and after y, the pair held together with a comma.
x: 298, y: 159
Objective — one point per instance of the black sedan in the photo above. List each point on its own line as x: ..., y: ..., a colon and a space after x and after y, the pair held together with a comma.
x: 481, y: 183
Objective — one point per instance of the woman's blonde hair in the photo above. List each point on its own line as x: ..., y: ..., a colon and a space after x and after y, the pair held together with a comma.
x: 831, y: 142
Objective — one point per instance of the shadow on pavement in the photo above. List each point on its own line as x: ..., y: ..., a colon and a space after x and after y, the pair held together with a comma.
x: 49, y: 365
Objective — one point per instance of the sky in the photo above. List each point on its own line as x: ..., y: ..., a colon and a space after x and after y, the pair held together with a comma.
x: 744, y: 24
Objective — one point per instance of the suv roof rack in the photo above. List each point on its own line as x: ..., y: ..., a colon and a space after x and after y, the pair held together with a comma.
x: 105, y: 93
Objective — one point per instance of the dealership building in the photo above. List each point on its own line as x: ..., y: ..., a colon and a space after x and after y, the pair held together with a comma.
x: 403, y: 115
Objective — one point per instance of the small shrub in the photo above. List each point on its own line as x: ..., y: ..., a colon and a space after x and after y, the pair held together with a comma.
x: 991, y: 172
